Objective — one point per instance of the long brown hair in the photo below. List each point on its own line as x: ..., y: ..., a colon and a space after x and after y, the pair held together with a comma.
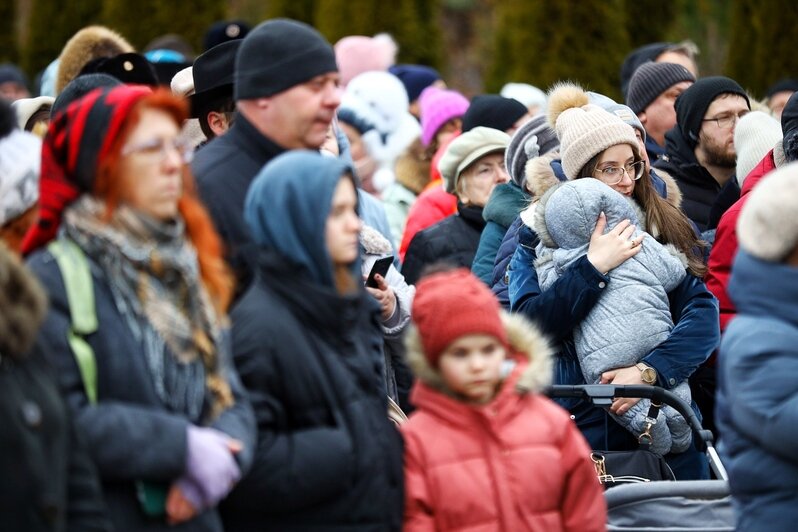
x: 664, y: 221
x: 199, y: 228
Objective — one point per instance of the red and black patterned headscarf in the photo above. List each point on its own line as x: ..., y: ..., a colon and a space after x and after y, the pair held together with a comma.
x: 76, y: 141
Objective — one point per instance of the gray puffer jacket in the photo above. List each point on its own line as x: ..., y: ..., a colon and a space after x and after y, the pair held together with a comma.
x: 632, y: 317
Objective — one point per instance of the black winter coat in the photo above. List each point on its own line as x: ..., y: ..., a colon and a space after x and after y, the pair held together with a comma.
x: 129, y: 433
x: 453, y: 240
x: 327, y: 456
x: 48, y: 481
x: 224, y: 168
x: 699, y: 189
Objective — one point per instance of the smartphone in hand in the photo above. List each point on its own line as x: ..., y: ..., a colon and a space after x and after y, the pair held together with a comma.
x: 380, y: 267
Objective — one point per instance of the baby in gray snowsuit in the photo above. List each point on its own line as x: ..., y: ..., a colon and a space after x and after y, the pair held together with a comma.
x: 632, y: 316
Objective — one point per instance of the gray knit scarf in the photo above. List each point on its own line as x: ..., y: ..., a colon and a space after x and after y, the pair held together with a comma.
x: 154, y: 276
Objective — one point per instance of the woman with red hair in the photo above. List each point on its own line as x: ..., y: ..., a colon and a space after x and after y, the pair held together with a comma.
x: 160, y: 407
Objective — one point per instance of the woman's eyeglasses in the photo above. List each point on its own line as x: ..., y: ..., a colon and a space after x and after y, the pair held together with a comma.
x: 612, y: 175
x: 157, y: 149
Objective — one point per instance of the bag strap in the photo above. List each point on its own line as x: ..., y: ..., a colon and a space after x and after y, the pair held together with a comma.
x: 645, y: 440
x: 75, y: 272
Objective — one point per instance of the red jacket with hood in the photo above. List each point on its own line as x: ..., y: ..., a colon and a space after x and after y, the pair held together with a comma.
x: 724, y: 249
x: 515, y: 464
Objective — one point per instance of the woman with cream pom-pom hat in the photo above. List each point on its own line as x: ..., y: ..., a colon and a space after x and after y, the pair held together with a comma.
x: 597, y: 144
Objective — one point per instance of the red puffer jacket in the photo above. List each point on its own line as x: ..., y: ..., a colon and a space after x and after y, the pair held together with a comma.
x: 516, y: 464
x: 725, y: 247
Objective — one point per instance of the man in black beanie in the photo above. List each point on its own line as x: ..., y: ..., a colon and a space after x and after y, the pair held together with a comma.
x: 286, y: 91
x: 700, y: 152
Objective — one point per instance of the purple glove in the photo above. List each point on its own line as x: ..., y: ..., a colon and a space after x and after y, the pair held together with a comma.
x: 211, y: 469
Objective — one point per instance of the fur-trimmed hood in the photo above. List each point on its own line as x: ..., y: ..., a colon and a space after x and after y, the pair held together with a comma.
x: 88, y: 44
x: 22, y: 306
x: 412, y: 169
x: 540, y: 175
x: 373, y: 242
x: 525, y: 339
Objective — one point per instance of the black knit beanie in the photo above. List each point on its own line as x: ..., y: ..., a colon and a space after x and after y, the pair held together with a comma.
x: 789, y: 127
x: 692, y: 104
x: 652, y: 79
x: 494, y: 111
x: 279, y: 54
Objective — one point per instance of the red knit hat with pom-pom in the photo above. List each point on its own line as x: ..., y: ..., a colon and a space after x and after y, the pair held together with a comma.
x: 452, y: 304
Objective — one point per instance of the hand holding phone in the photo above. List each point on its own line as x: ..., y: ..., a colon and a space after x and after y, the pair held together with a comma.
x: 380, y: 267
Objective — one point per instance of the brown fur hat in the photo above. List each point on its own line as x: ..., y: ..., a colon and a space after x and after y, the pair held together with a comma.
x: 88, y: 44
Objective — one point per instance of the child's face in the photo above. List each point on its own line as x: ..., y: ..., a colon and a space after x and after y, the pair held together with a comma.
x: 471, y: 367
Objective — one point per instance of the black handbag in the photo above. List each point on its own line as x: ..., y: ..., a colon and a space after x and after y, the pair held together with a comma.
x: 623, y: 467
x: 641, y: 465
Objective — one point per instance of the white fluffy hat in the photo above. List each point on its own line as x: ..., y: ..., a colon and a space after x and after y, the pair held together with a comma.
x: 768, y: 224
x: 754, y: 135
x: 20, y: 163
x: 584, y: 129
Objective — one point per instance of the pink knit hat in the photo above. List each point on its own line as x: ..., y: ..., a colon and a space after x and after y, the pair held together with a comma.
x: 357, y: 54
x: 438, y: 106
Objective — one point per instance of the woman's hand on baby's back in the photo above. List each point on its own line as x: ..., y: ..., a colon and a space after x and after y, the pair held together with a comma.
x: 610, y: 250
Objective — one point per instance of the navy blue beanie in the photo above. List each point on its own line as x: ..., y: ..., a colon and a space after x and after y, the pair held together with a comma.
x: 415, y: 78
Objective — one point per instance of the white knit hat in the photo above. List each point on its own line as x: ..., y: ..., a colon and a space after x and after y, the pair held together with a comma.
x: 754, y: 136
x: 20, y: 163
x: 584, y: 129
x: 466, y: 149
x: 768, y: 226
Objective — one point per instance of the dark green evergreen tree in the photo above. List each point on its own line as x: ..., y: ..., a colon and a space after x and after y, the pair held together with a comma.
x: 414, y: 24
x: 8, y: 35
x: 52, y: 24
x: 143, y: 20
x: 544, y: 42
x: 296, y: 9
x: 759, y: 54
x: 651, y: 21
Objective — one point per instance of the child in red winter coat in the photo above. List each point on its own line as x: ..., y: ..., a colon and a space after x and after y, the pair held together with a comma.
x: 484, y: 451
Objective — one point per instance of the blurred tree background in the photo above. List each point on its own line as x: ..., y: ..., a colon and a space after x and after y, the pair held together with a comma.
x: 478, y: 45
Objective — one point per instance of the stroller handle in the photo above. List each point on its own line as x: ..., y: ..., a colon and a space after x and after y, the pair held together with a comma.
x: 601, y: 395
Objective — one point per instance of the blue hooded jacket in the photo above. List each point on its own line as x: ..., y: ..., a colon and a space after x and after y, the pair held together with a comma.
x: 288, y: 203
x: 757, y: 401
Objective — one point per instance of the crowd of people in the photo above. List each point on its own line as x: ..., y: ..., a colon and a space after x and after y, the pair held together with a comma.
x: 286, y: 285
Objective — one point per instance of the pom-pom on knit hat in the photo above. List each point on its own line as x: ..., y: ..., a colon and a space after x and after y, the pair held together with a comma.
x: 584, y: 129
x: 450, y: 305
x: 767, y: 227
x: 357, y: 54
x: 438, y: 106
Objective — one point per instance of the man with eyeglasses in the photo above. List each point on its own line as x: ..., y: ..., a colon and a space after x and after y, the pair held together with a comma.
x: 700, y: 152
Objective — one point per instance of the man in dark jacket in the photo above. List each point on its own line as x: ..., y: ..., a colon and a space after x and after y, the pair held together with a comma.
x: 700, y: 149
x: 286, y: 92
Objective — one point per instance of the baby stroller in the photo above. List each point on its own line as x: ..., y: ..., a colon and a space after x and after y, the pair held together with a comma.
x: 662, y: 505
